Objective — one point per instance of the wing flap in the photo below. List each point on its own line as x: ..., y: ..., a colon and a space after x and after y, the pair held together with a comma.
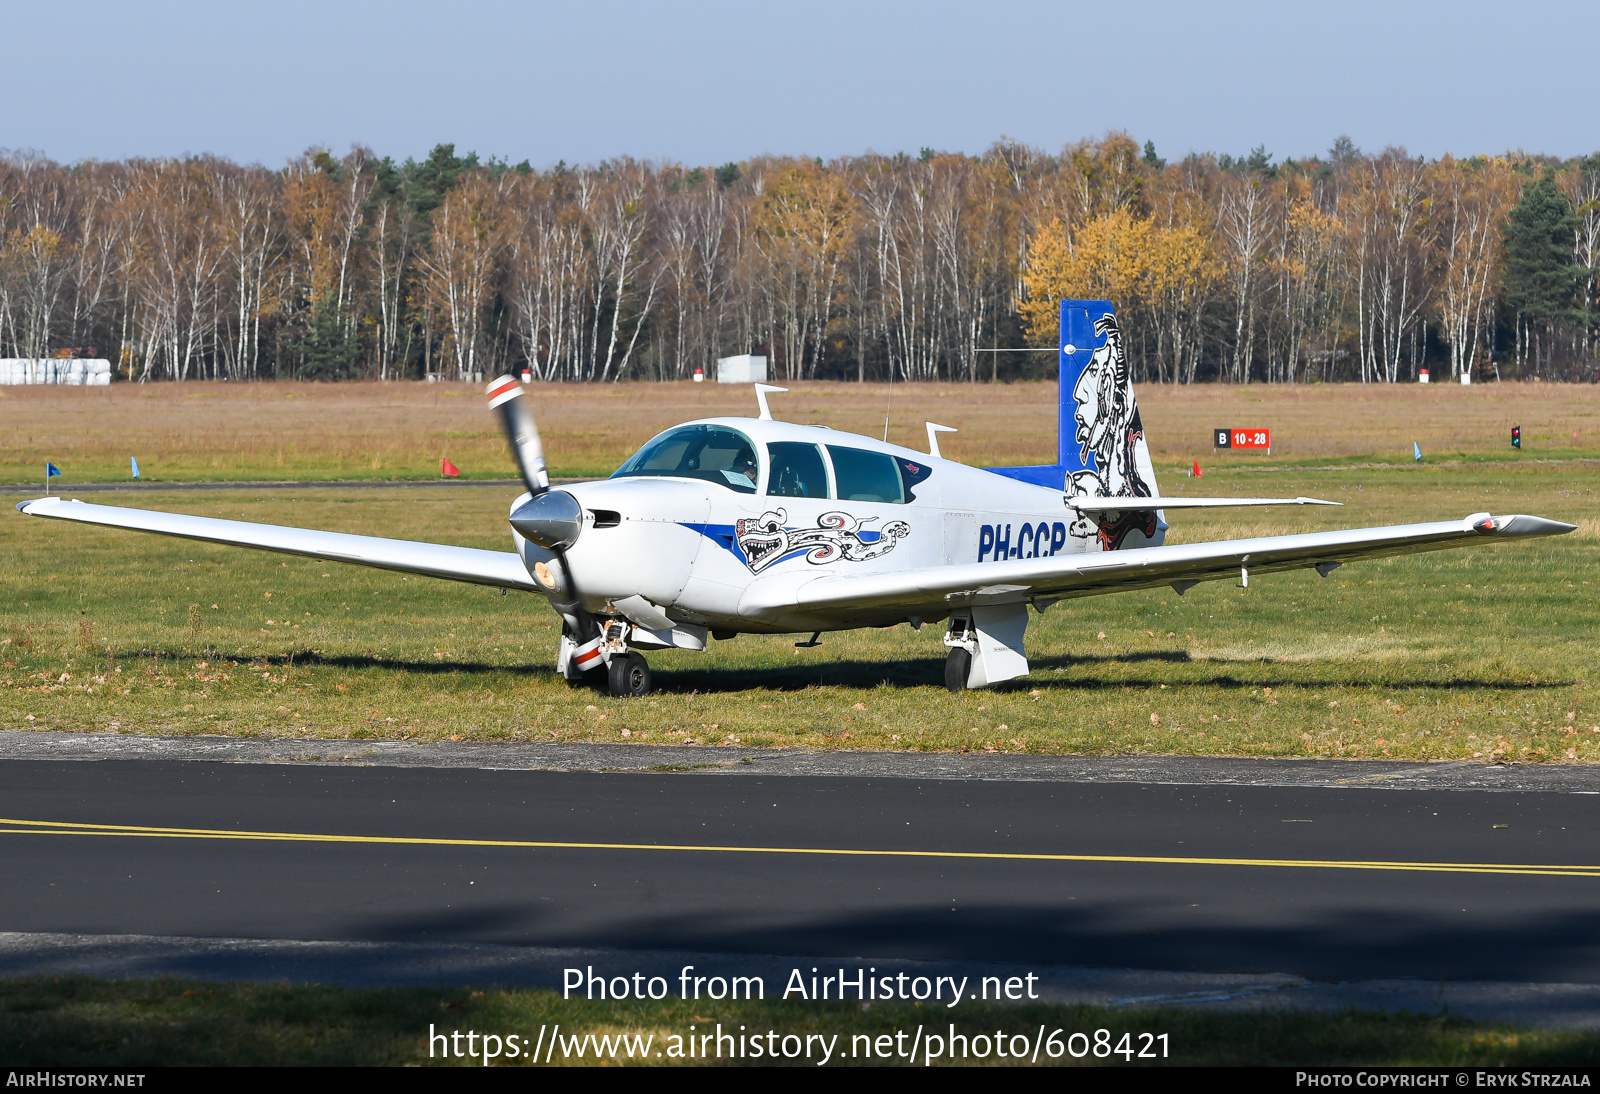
x: 498, y: 568
x: 1065, y: 576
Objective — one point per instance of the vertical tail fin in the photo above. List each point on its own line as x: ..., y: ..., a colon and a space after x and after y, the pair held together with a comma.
x: 1100, y: 440
x: 1100, y: 444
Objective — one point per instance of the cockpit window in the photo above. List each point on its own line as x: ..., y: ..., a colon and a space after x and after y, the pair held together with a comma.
x: 866, y: 476
x: 795, y: 471
x: 708, y: 452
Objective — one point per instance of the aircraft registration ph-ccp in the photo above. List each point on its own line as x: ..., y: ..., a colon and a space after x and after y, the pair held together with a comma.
x: 730, y: 525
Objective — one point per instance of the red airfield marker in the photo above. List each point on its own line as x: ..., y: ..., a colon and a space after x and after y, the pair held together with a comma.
x: 448, y: 469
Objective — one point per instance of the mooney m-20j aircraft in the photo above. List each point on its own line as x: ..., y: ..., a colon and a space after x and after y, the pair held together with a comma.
x: 731, y: 525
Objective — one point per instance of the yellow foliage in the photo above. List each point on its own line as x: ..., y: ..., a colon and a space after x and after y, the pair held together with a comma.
x: 811, y: 207
x: 1131, y: 261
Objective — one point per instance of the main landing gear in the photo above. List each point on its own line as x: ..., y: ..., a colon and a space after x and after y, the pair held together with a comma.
x: 957, y: 667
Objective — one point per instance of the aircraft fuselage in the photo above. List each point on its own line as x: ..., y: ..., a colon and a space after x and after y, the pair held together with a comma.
x: 716, y: 556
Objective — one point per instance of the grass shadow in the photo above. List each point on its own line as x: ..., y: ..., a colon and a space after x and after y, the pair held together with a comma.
x: 863, y: 675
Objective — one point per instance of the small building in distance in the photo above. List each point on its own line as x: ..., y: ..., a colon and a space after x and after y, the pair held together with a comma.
x: 747, y: 368
x: 73, y: 371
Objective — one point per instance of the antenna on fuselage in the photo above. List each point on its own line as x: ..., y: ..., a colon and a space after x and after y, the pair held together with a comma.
x: 889, y: 404
x: 934, y: 429
x: 761, y: 399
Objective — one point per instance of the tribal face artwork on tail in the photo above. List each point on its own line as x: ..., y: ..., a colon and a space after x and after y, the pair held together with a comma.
x: 1109, y: 429
x: 764, y: 539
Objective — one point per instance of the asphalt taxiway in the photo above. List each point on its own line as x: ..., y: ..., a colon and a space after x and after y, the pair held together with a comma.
x: 1305, y: 876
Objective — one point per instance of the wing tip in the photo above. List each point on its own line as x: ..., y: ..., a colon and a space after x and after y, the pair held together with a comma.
x: 1519, y: 524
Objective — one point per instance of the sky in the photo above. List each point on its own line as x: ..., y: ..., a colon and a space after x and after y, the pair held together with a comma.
x: 708, y: 83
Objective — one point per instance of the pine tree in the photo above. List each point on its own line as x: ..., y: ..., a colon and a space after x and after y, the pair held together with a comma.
x: 330, y: 351
x: 1541, y: 282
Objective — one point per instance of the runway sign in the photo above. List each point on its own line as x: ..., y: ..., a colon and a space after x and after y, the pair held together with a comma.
x: 1242, y: 438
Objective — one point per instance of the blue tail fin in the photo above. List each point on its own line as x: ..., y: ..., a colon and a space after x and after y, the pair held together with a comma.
x: 1100, y: 445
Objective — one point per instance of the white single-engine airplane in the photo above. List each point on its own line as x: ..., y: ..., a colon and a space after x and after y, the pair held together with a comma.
x: 731, y: 525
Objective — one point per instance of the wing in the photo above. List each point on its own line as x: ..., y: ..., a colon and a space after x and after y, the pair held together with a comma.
x: 1145, y: 505
x: 500, y: 568
x: 1047, y: 579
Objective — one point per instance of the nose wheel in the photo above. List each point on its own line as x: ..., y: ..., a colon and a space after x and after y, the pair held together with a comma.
x: 628, y: 676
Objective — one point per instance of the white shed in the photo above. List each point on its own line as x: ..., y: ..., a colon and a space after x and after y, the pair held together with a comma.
x: 747, y: 368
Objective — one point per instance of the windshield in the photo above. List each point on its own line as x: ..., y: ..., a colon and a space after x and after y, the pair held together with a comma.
x: 708, y: 452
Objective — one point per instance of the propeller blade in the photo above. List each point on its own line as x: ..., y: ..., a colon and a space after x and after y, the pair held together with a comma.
x: 550, y: 518
x: 505, y: 395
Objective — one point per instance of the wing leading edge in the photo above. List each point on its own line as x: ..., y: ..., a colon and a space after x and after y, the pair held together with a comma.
x: 499, y: 568
x: 1180, y: 566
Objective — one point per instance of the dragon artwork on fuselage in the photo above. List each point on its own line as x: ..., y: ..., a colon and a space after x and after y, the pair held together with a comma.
x: 764, y: 539
x: 1109, y: 429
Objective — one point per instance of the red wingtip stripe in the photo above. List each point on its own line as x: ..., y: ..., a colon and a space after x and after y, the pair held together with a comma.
x: 495, y: 393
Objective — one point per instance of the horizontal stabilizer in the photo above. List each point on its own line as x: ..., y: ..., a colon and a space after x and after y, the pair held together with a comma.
x: 1129, y: 505
x: 500, y: 568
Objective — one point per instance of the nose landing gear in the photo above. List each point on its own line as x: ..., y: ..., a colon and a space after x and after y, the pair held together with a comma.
x: 628, y: 676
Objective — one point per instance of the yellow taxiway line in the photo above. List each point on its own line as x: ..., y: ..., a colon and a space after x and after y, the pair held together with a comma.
x: 69, y: 828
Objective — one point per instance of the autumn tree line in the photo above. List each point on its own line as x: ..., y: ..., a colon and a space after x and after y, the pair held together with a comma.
x: 1351, y: 266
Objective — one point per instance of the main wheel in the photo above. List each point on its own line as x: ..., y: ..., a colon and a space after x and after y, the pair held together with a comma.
x: 956, y: 669
x: 628, y: 677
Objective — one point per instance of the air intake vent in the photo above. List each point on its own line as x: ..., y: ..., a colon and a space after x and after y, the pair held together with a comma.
x: 606, y: 518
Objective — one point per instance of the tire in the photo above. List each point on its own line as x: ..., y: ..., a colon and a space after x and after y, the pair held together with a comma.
x: 628, y: 677
x: 956, y: 669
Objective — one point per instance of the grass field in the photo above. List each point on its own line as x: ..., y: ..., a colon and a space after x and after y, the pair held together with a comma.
x: 74, y: 1021
x: 300, y: 431
x: 1486, y: 653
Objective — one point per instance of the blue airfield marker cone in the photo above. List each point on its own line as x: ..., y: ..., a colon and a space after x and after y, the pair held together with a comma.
x: 1416, y: 451
x: 135, y: 461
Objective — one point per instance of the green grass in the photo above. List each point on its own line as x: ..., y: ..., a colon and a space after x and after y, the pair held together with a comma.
x: 1484, y: 653
x: 130, y: 1023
